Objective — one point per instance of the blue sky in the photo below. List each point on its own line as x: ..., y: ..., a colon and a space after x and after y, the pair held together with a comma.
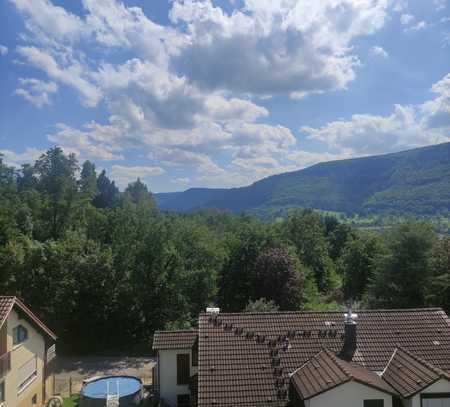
x: 188, y: 93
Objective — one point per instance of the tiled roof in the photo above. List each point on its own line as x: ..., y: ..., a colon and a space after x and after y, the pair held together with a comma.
x: 409, y: 374
x: 325, y: 371
x: 164, y: 340
x: 254, y: 353
x: 6, y: 305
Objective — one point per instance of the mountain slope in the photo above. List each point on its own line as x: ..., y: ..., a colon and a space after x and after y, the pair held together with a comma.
x: 415, y: 181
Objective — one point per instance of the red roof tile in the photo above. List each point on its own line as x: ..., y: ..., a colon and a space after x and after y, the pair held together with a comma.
x: 164, y: 340
x: 409, y: 374
x: 325, y: 371
x: 250, y: 352
x: 8, y: 303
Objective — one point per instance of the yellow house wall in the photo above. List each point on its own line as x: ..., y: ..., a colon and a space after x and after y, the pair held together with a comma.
x: 20, y: 354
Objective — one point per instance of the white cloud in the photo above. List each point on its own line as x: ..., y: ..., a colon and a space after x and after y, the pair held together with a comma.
x: 3, y: 50
x: 124, y: 175
x: 29, y: 156
x: 440, y: 4
x: 406, y: 19
x: 36, y: 91
x: 405, y: 127
x: 379, y: 52
x: 419, y: 26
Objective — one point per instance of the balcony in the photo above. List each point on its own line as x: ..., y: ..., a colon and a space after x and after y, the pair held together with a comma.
x: 5, y: 364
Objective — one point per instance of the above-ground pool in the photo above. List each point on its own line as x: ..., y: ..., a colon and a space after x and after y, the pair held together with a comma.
x: 95, y: 392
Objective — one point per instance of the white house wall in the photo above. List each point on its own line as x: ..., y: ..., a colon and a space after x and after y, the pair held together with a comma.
x: 168, y: 387
x: 441, y: 386
x: 350, y: 394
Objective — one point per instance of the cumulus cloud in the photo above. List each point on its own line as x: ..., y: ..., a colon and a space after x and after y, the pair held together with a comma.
x: 379, y: 52
x: 3, y: 50
x: 406, y: 19
x: 36, y: 91
x: 17, y: 159
x: 405, y: 127
x: 124, y: 175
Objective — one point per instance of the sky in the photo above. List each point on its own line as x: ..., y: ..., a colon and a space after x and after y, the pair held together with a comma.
x: 203, y: 93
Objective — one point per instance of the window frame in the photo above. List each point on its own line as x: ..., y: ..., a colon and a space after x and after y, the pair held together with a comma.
x: 430, y: 396
x: 20, y: 335
x: 183, y: 368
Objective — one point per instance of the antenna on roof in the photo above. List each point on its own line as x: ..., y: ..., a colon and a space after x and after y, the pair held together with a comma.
x: 212, y: 310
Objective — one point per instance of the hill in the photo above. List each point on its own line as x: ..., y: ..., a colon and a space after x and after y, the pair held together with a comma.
x: 409, y: 182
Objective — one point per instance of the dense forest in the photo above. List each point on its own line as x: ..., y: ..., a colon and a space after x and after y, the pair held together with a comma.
x: 106, y: 268
x: 414, y: 182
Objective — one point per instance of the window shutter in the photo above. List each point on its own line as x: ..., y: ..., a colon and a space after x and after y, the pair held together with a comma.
x: 26, y: 372
x: 183, y: 369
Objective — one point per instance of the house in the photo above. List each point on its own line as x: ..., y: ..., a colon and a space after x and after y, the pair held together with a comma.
x: 27, y: 356
x: 378, y: 358
x: 177, y: 362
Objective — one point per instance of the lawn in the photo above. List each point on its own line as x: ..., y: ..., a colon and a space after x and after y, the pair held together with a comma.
x: 71, y: 401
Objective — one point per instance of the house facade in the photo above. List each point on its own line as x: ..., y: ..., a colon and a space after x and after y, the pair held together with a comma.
x: 27, y: 356
x: 177, y: 363
x: 378, y: 358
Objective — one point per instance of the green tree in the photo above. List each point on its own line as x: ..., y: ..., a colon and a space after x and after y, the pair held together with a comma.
x: 401, y: 275
x: 88, y: 181
x: 438, y: 286
x: 261, y: 305
x: 107, y: 193
x: 58, y: 184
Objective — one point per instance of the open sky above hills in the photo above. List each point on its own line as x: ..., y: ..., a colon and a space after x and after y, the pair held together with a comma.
x: 221, y: 93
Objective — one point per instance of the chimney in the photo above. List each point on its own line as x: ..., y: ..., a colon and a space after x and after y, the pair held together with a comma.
x: 350, y: 337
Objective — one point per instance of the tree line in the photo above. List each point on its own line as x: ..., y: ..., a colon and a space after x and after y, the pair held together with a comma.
x: 106, y: 268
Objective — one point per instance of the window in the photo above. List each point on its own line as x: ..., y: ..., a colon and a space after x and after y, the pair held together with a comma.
x: 20, y: 334
x: 2, y: 392
x: 183, y: 369
x: 373, y: 403
x: 26, y: 374
x: 435, y: 400
x: 183, y: 400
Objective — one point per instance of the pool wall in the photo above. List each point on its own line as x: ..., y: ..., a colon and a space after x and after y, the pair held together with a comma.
x: 127, y: 400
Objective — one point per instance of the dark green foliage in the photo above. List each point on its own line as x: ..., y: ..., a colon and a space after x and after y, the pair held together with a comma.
x: 105, y: 269
x: 402, y: 273
x: 415, y: 182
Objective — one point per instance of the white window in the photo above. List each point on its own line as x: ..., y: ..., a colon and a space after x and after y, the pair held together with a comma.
x: 20, y: 334
x: 26, y: 374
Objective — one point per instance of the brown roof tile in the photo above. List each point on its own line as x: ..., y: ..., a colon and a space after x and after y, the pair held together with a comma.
x: 325, y: 371
x: 254, y: 353
x: 409, y: 374
x: 164, y: 340
x: 6, y: 305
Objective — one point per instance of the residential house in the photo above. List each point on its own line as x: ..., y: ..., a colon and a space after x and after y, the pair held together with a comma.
x: 27, y: 356
x: 378, y: 358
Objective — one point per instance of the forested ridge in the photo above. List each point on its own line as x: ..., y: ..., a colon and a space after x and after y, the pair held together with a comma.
x: 106, y: 268
x: 414, y: 182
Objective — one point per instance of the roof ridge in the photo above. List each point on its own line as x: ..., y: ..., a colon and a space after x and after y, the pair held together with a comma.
x: 387, y: 310
x: 176, y: 330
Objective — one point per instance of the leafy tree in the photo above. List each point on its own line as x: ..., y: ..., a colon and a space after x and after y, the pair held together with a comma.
x: 138, y: 193
x: 261, y: 305
x: 107, y: 193
x: 279, y: 277
x: 306, y: 230
x: 358, y: 260
x: 88, y: 180
x: 401, y: 275
x: 438, y: 286
x: 57, y: 182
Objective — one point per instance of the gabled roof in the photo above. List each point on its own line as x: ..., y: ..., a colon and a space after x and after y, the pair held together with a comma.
x: 254, y: 353
x: 7, y: 303
x: 165, y: 340
x: 409, y: 374
x: 325, y: 371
